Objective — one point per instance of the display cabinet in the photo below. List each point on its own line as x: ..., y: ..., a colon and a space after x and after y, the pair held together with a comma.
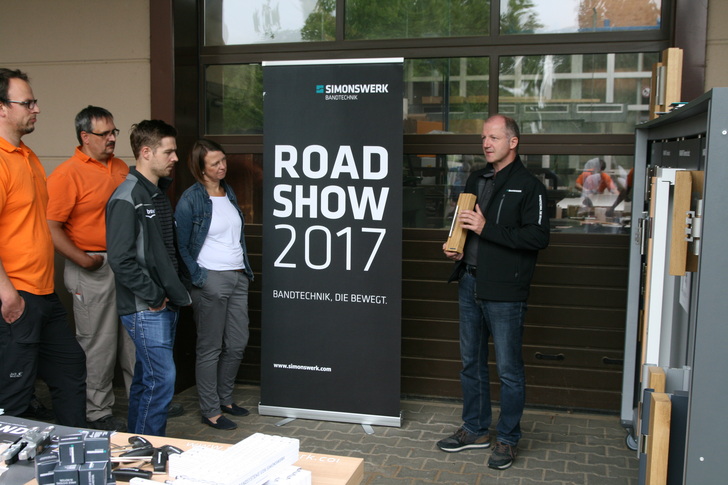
x: 677, y: 301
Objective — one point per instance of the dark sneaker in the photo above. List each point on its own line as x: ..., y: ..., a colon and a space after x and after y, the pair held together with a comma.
x: 463, y: 440
x: 175, y: 409
x: 108, y: 423
x: 502, y: 456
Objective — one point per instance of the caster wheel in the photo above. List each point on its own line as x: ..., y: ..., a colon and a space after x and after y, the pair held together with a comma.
x: 631, y: 442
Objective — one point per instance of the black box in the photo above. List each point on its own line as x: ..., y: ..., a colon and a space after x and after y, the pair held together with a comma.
x: 70, y: 449
x: 93, y: 473
x: 45, y: 464
x: 66, y: 475
x: 96, y: 446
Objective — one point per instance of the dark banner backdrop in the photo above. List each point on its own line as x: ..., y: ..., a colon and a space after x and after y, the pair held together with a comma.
x: 332, y: 236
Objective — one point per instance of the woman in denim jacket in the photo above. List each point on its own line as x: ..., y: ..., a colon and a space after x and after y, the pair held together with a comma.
x: 210, y: 229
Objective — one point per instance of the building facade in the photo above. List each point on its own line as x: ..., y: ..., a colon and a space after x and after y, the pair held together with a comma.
x: 574, y: 73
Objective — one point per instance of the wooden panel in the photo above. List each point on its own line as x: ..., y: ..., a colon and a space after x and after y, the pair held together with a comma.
x: 431, y: 270
x: 595, y: 256
x: 610, y: 277
x: 535, y: 395
x: 658, y: 441
x: 534, y: 334
x: 568, y: 378
x: 698, y: 183
x: 574, y: 325
x: 580, y: 296
x: 579, y: 317
x: 575, y: 337
x: 541, y: 355
x: 656, y: 378
x: 682, y: 196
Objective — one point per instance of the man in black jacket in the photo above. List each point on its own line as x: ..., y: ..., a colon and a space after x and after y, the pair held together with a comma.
x: 141, y: 246
x: 507, y: 228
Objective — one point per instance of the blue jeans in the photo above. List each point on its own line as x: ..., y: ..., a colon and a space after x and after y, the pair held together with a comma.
x: 152, y: 387
x: 479, y: 319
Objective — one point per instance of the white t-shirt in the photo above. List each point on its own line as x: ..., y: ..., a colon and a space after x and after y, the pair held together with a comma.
x: 221, y: 250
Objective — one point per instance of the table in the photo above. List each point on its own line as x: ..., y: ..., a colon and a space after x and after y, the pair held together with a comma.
x: 325, y: 469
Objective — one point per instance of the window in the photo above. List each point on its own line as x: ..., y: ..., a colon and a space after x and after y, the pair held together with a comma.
x: 565, y: 16
x: 234, y: 99
x: 445, y: 95
x: 583, y: 93
x: 586, y: 193
x: 247, y: 22
x: 245, y: 175
x: 406, y: 19
x: 559, y: 67
x: 239, y: 22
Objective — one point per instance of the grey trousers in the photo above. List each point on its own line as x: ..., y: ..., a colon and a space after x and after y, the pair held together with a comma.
x: 100, y: 334
x: 220, y: 310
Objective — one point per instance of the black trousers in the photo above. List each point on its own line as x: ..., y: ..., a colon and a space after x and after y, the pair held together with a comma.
x: 41, y: 344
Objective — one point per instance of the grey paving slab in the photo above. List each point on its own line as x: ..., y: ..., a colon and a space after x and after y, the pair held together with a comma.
x: 558, y: 447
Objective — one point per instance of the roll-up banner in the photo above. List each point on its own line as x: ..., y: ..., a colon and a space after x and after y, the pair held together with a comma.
x: 332, y: 240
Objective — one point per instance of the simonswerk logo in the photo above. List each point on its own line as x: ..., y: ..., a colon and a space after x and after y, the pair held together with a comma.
x: 350, y: 92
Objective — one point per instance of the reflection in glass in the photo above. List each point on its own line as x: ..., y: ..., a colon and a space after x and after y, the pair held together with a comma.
x: 245, y: 176
x: 235, y: 22
x: 586, y: 193
x: 584, y: 93
x: 407, y: 19
x: 234, y: 99
x: 565, y: 16
x: 446, y: 95
x: 432, y: 184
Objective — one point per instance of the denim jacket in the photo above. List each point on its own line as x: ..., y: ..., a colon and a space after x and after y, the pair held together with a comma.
x: 193, y: 216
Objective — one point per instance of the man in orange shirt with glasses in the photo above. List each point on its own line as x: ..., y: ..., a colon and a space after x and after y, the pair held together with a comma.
x: 35, y: 339
x: 78, y: 191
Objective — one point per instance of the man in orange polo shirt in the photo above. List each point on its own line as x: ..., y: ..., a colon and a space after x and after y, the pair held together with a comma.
x: 78, y: 190
x: 35, y: 339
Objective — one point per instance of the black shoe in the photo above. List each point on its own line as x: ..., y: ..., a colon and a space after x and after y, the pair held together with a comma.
x: 463, y: 440
x: 108, y: 423
x: 175, y: 409
x: 222, y: 423
x: 502, y: 456
x: 36, y: 410
x: 235, y: 410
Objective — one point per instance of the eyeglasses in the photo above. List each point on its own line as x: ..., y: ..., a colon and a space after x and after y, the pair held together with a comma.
x: 106, y: 134
x: 30, y: 104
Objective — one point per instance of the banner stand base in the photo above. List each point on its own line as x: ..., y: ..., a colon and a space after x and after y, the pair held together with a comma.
x: 363, y: 419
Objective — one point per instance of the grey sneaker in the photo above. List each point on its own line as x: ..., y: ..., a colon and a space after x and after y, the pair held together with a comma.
x: 502, y: 456
x: 463, y: 440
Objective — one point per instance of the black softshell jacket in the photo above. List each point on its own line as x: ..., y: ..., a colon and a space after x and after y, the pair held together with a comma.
x: 516, y: 228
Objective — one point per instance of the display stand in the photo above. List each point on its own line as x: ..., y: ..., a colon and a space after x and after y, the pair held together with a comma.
x: 677, y: 301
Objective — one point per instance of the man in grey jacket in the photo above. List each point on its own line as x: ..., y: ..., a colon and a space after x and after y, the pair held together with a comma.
x: 141, y: 248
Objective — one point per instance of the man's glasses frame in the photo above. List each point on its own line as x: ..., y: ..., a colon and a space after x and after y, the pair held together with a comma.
x: 106, y: 134
x: 30, y: 104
